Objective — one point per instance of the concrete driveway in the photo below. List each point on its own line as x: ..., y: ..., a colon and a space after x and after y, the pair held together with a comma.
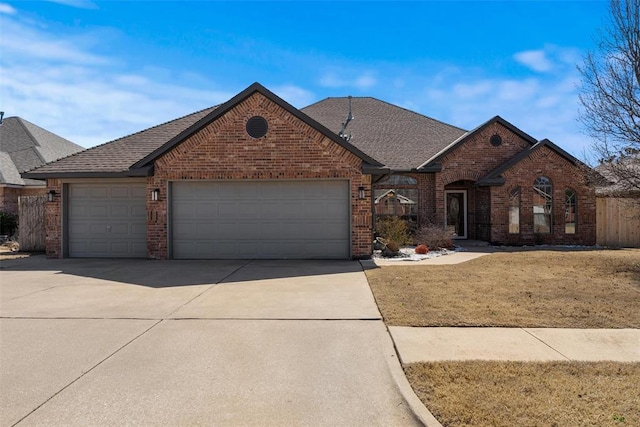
x: 121, y: 342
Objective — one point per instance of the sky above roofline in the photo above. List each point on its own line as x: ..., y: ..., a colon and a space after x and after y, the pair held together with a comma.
x: 94, y: 71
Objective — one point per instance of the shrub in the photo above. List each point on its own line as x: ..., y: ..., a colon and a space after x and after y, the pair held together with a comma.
x: 8, y: 223
x: 393, y: 229
x: 422, y: 249
x: 433, y: 236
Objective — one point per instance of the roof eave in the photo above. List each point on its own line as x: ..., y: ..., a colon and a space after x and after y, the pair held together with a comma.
x: 491, y: 182
x: 131, y: 173
x: 369, y: 169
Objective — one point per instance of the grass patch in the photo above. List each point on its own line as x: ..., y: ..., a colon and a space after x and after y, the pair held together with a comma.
x: 552, y: 289
x: 529, y: 394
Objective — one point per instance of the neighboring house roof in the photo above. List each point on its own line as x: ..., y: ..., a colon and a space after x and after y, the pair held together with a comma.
x: 399, y: 138
x: 24, y: 146
x: 619, y: 178
x: 134, y: 155
x: 495, y: 176
x: 391, y: 193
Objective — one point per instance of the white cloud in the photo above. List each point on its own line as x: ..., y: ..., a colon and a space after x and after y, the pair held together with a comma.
x: 550, y: 58
x: 348, y: 79
x: 535, y: 59
x: 365, y: 81
x: 34, y: 44
x: 7, y: 9
x: 89, y: 98
x: 294, y: 95
x: 80, y: 4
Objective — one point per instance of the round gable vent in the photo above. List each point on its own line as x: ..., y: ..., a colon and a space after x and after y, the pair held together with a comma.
x: 257, y: 127
x: 496, y: 140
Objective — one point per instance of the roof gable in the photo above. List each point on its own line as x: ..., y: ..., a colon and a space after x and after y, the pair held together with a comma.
x: 495, y: 176
x: 396, y: 137
x: 224, y: 108
x: 434, y: 160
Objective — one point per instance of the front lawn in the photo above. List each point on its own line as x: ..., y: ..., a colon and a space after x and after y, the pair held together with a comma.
x: 571, y: 289
x: 544, y: 289
x: 529, y: 394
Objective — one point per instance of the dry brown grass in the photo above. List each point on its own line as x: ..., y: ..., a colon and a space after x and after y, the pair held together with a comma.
x: 529, y: 394
x: 575, y: 289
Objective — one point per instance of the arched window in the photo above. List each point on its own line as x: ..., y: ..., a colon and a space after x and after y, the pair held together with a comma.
x: 514, y: 211
x: 570, y: 211
x: 542, y: 205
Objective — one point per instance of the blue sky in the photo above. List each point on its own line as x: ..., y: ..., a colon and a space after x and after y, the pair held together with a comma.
x: 93, y: 71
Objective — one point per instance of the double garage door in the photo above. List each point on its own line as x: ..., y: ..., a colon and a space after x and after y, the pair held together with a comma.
x: 260, y: 219
x: 214, y: 220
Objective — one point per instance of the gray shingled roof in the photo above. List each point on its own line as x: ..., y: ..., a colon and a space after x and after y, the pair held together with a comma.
x: 25, y: 146
x: 119, y: 155
x: 399, y: 138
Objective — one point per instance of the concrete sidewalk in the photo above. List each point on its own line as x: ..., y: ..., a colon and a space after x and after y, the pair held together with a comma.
x: 416, y: 344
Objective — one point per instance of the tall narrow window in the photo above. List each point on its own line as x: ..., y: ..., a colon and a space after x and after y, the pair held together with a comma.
x: 542, y: 205
x: 514, y: 211
x: 570, y: 211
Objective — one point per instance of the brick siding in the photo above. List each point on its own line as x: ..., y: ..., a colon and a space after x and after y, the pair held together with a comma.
x: 290, y: 150
x: 487, y: 216
x: 563, y: 175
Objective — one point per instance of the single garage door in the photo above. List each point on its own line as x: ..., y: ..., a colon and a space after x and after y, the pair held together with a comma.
x: 260, y: 219
x: 107, y: 220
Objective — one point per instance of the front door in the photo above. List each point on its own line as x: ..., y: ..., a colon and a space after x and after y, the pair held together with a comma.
x: 455, y: 212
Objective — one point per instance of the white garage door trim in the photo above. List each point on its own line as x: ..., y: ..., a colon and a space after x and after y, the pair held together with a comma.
x: 105, y: 219
x: 249, y: 219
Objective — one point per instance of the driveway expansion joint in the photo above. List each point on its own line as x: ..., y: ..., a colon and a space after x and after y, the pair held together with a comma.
x: 84, y: 373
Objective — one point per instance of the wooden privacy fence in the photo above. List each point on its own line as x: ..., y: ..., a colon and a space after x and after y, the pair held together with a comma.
x: 618, y: 221
x: 31, y: 227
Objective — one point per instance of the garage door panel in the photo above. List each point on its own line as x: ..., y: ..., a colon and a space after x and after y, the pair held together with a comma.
x: 225, y: 210
x: 260, y: 219
x: 139, y: 192
x: 120, y: 193
x: 107, y: 220
x: 185, y: 210
x: 119, y: 212
x: 268, y: 209
x: 98, y: 192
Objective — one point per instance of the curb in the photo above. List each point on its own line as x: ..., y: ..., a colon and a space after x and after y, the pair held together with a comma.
x: 420, y: 412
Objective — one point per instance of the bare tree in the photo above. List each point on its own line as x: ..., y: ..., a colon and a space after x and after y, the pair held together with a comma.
x: 610, y: 96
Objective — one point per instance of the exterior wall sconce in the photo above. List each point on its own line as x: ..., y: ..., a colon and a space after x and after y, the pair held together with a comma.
x: 155, y: 194
x: 361, y: 192
x: 51, y: 194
